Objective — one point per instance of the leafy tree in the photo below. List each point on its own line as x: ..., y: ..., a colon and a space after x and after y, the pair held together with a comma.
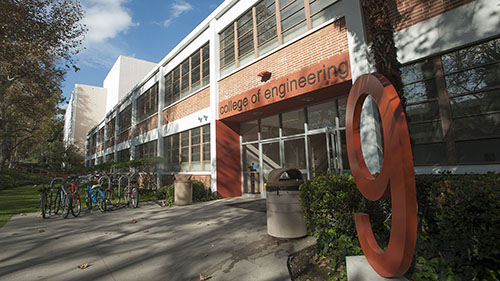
x: 38, y: 39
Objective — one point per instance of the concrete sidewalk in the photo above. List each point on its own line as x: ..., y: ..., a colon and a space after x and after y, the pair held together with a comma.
x: 226, y: 239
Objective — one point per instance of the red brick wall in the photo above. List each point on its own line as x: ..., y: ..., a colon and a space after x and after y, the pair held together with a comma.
x: 146, y: 125
x: 318, y: 46
x: 125, y: 136
x: 188, y: 106
x: 110, y: 142
x: 406, y: 13
x: 204, y: 179
x: 228, y: 159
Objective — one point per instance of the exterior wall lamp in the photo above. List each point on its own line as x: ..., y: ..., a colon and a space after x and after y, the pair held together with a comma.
x: 264, y: 75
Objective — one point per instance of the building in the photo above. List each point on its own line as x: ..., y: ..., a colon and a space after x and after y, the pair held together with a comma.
x: 89, y: 104
x: 263, y: 84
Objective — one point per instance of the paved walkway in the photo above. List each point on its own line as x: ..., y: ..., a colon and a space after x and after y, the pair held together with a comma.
x: 226, y: 239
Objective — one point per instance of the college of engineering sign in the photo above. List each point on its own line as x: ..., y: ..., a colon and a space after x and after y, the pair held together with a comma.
x: 323, y: 74
x: 396, y: 178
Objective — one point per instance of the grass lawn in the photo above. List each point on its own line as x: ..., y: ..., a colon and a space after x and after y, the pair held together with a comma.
x: 16, y: 200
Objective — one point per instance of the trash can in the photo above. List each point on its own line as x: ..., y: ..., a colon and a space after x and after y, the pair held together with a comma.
x: 183, y: 190
x: 284, y: 213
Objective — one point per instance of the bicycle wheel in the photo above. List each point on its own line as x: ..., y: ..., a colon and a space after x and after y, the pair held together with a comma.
x: 57, y: 202
x: 134, y: 197
x: 43, y: 204
x: 66, y: 205
x: 76, y: 205
x: 50, y: 202
x: 126, y: 195
x: 88, y: 199
x: 101, y: 201
x: 107, y: 195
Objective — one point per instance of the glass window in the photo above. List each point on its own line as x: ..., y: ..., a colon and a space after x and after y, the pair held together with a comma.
x: 185, y: 78
x: 321, y: 115
x: 293, y: 19
x: 227, y: 61
x: 249, y: 130
x: 269, y: 127
x: 245, y: 38
x: 195, y: 71
x: 125, y: 118
x: 293, y: 122
x: 295, y: 154
x: 205, y: 50
x: 267, y: 35
x: 322, y: 11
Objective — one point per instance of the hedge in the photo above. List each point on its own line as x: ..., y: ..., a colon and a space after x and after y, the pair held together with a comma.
x: 458, y: 235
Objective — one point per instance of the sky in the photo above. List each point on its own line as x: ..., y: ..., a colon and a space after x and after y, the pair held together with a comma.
x: 143, y: 29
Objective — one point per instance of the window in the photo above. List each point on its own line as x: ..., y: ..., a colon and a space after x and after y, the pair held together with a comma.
x: 147, y: 103
x: 110, y: 158
x: 146, y: 150
x: 100, y: 135
x: 188, y: 150
x: 293, y: 19
x: 125, y: 118
x: 267, y: 35
x: 244, y: 27
x: 110, y: 131
x: 275, y: 22
x: 227, y: 62
x: 191, y: 75
x: 453, y: 106
x: 124, y: 155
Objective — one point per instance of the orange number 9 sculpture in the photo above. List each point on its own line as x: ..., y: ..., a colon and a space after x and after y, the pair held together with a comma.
x: 396, y: 178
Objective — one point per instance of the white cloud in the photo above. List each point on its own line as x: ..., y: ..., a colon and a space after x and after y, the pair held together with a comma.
x: 178, y: 7
x: 105, y: 19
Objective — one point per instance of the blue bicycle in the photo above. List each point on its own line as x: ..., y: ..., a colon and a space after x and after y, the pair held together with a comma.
x: 95, y: 196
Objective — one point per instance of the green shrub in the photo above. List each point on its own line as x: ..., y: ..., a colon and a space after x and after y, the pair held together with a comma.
x: 13, y: 178
x: 329, y: 203
x: 167, y: 193
x: 200, y: 193
x: 458, y: 236
x: 458, y: 223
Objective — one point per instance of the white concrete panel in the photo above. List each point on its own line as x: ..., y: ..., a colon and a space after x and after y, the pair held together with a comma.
x: 126, y: 73
x: 147, y: 137
x: 194, y: 120
x: 123, y: 145
x: 233, y: 13
x: 477, y: 20
x: 188, y: 50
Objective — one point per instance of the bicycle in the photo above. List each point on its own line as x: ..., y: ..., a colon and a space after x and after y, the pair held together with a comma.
x: 131, y: 193
x: 61, y: 200
x: 74, y: 197
x: 44, y: 202
x: 94, y: 195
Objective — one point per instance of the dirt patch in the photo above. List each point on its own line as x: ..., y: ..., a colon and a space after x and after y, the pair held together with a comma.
x: 306, y: 265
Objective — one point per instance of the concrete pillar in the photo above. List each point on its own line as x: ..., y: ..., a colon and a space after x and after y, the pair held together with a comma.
x: 117, y: 127
x: 362, y: 62
x: 133, y: 123
x: 161, y: 103
x: 214, y: 100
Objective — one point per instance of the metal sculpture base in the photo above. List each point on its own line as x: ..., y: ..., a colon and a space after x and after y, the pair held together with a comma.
x: 358, y: 269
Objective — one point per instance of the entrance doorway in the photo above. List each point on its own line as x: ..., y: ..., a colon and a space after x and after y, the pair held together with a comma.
x: 311, y: 139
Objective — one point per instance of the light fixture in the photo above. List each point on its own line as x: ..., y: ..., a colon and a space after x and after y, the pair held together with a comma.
x: 264, y: 75
x: 307, y: 99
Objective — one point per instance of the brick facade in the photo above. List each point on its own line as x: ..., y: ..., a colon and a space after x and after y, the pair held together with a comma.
x: 147, y: 125
x: 192, y: 104
x: 125, y: 136
x: 406, y: 13
x: 318, y: 46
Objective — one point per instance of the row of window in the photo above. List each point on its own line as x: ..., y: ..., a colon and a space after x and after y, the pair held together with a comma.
x: 184, y: 151
x: 147, y: 103
x: 188, y: 150
x: 267, y: 25
x: 191, y: 75
x: 453, y: 106
x: 290, y: 123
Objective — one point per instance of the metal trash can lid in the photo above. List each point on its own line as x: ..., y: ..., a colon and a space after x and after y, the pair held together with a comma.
x: 182, y: 177
x: 285, y: 179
